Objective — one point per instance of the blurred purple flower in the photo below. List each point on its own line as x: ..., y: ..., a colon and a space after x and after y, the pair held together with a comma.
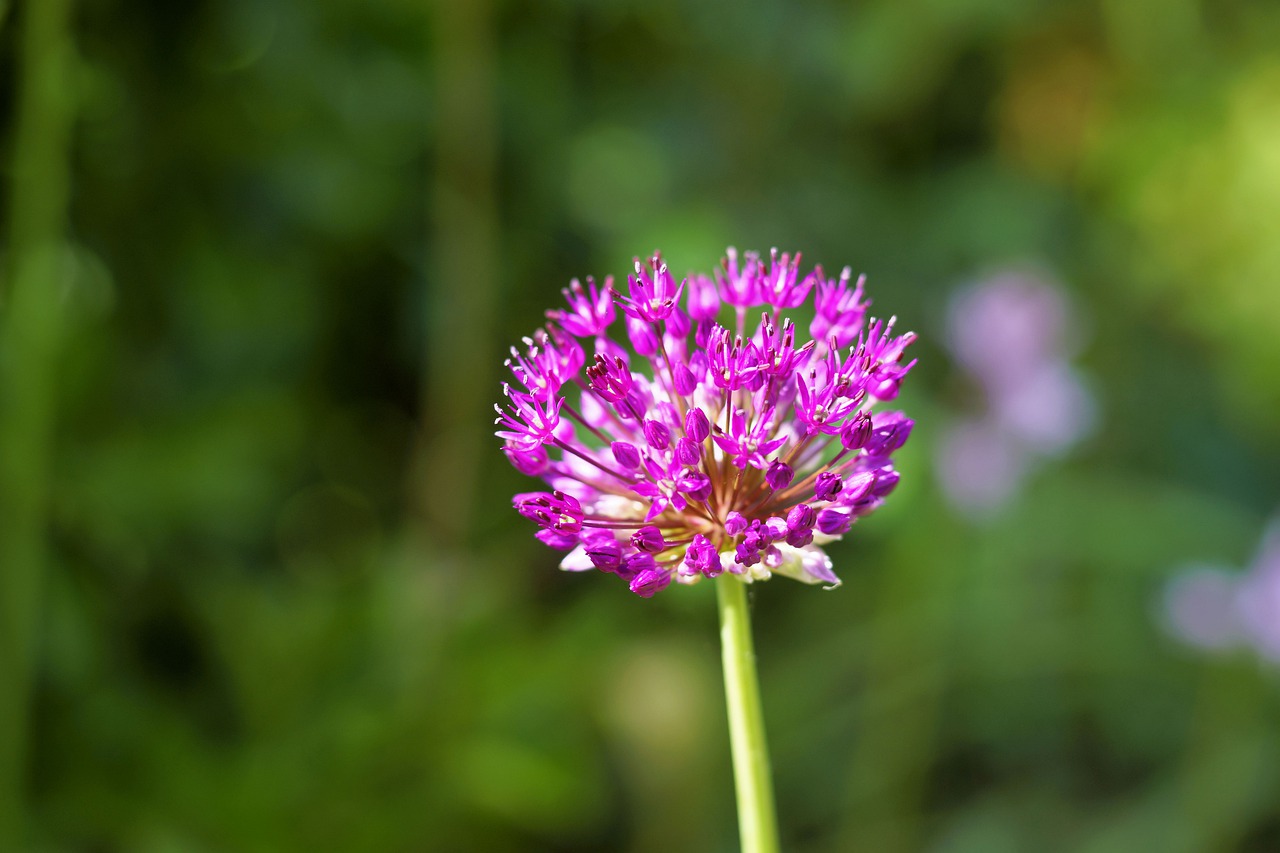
x: 1218, y: 610
x: 978, y: 467
x: 1200, y: 606
x: 1013, y: 335
x: 1006, y: 325
x: 734, y: 450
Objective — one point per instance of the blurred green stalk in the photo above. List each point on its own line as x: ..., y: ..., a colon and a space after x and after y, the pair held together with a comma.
x: 30, y: 330
x: 757, y: 819
x: 465, y: 247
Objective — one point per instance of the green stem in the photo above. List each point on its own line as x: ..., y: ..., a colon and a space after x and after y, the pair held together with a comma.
x: 31, y: 326
x: 757, y: 821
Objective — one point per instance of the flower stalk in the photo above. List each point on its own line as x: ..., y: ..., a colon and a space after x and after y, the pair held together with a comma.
x: 757, y: 816
x: 32, y: 326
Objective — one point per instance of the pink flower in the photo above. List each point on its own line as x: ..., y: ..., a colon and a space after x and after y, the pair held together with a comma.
x: 732, y: 449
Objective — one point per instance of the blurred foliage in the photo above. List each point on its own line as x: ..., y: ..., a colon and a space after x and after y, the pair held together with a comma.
x: 287, y: 605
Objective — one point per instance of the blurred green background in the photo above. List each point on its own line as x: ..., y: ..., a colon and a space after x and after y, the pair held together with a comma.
x: 262, y: 586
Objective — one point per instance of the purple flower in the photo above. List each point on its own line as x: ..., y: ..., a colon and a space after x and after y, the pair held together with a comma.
x: 548, y: 360
x: 838, y: 311
x: 777, y: 347
x: 653, y: 291
x: 1008, y: 324
x: 556, y: 539
x: 830, y: 395
x: 732, y: 364
x: 801, y: 517
x: 1012, y: 334
x: 884, y: 351
x: 590, y: 311
x: 529, y: 423
x: 683, y: 379
x: 716, y: 444
x: 704, y: 299
x: 778, y: 286
x: 749, y: 443
x: 859, y: 484
x: 1218, y: 610
x: 553, y: 511
x: 740, y: 285
x: 610, y: 379
x: 834, y: 522
x: 688, y: 451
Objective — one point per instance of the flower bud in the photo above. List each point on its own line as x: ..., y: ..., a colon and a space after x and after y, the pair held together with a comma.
x: 834, y: 522
x: 827, y: 486
x: 779, y: 475
x: 555, y: 539
x: 856, y: 431
x: 531, y: 463
x: 801, y: 517
x: 657, y: 434
x: 688, y: 452
x: 604, y: 551
x: 857, y: 487
x: 890, y: 431
x: 625, y: 454
x: 636, y: 564
x: 678, y: 323
x: 643, y: 335
x: 650, y: 581
x: 695, y: 484
x: 648, y: 539
x: 684, y: 380
x: 696, y: 425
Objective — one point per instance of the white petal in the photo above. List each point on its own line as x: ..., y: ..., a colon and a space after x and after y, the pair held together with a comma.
x: 809, y: 564
x: 617, y: 506
x: 577, y: 561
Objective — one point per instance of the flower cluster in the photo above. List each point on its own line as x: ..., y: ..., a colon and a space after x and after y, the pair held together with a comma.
x: 713, y: 447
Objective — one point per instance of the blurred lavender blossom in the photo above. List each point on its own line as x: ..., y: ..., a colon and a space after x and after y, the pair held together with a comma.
x: 1014, y: 334
x: 1215, y: 609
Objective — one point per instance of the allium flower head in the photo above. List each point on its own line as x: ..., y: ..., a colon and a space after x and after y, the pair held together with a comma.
x: 706, y: 448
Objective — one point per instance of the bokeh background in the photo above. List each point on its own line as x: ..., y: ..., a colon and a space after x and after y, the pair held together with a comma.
x: 262, y: 586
